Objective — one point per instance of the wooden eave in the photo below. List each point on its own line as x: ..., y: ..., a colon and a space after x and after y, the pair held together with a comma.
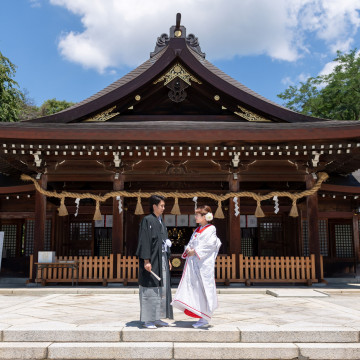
x: 182, y: 131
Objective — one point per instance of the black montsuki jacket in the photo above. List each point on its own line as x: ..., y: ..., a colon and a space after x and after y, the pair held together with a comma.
x: 151, y: 235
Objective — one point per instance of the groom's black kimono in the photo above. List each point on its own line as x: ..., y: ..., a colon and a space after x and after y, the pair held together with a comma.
x: 152, y: 234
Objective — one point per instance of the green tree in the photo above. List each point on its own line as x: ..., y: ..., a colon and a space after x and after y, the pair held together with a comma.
x: 333, y: 96
x: 11, y: 98
x: 28, y: 108
x: 53, y: 106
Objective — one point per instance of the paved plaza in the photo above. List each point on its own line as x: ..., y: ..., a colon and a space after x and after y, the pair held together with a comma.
x: 250, y: 323
x: 119, y: 307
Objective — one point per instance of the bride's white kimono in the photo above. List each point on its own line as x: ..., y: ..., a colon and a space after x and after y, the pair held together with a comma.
x: 196, y: 294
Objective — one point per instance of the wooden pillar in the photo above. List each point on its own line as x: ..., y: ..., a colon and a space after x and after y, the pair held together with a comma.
x: 356, y: 244
x: 313, y: 224
x: 40, y: 221
x: 234, y: 221
x: 118, y: 223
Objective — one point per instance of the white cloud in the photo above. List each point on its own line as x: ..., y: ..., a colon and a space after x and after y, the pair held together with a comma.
x: 303, y: 77
x: 122, y: 32
x: 35, y: 3
x: 328, y: 68
x: 287, y: 81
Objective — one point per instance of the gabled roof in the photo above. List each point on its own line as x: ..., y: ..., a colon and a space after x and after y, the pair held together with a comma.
x: 140, y: 94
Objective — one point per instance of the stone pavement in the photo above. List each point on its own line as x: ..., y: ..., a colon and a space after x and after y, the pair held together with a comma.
x: 250, y: 323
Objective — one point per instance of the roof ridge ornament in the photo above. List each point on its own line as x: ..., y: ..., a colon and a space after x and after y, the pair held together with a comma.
x: 177, y: 71
x: 177, y: 31
x: 104, y: 115
x: 249, y: 115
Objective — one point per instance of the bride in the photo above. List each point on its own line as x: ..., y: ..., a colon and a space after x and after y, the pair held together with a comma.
x: 196, y: 294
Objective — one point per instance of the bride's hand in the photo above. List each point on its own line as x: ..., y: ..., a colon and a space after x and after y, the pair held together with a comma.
x: 190, y: 252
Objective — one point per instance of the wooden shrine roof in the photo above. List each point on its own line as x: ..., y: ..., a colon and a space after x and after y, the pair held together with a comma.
x: 178, y: 98
x: 211, y: 92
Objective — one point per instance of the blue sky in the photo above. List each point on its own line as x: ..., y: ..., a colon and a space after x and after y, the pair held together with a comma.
x: 70, y: 49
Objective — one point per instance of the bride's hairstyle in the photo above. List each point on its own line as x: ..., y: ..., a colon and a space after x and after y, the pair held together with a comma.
x: 203, y: 210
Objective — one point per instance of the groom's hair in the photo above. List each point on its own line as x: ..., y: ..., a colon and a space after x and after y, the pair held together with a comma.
x: 155, y: 200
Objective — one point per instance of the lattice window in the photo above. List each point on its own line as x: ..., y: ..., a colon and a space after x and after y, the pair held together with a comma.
x: 103, y: 237
x: 29, y: 236
x: 84, y: 252
x: 10, y: 232
x: 344, y: 241
x: 248, y: 241
x: 270, y: 236
x: 323, y: 235
x: 47, y: 245
x: 81, y: 231
x: 247, y: 246
x: 269, y: 228
x: 305, y: 238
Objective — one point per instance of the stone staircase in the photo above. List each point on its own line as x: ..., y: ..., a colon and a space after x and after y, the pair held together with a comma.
x: 180, y: 342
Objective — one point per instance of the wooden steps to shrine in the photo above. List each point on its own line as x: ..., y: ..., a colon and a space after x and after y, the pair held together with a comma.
x: 218, y: 342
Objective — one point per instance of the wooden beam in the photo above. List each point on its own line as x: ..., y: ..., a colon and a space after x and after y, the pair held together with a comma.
x: 81, y: 177
x: 118, y: 221
x: 17, y: 215
x: 313, y: 223
x: 336, y: 215
x: 185, y: 177
x: 17, y: 189
x: 40, y: 221
x: 356, y: 243
x: 165, y: 131
x: 234, y: 221
x: 271, y: 177
x: 340, y: 188
x: 118, y: 224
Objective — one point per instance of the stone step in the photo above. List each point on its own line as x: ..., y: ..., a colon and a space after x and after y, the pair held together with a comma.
x: 178, y: 351
x: 215, y: 334
x: 13, y: 280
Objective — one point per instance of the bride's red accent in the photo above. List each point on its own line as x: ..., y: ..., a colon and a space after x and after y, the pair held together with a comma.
x: 199, y: 230
x: 191, y: 314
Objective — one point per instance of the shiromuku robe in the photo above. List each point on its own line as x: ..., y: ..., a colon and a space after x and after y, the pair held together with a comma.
x: 196, y: 294
x: 155, y: 295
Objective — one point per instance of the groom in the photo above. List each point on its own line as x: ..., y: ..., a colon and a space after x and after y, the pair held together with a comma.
x: 154, y: 252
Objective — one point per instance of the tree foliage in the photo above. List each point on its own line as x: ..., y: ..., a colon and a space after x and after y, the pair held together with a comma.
x: 15, y: 104
x: 11, y: 98
x: 53, y: 106
x: 333, y: 96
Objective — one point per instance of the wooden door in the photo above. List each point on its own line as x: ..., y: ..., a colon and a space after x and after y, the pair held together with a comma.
x: 341, y: 259
x: 271, y: 237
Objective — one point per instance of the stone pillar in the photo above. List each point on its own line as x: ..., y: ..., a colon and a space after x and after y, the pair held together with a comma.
x: 40, y: 221
x: 313, y: 224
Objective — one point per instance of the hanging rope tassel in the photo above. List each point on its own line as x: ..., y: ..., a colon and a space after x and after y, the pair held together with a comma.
x: 219, y: 212
x: 62, y: 209
x: 294, y: 210
x: 139, y: 210
x: 176, y: 209
x: 97, y: 214
x: 258, y: 211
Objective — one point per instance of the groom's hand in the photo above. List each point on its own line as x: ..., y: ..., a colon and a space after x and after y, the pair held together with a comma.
x: 147, y: 265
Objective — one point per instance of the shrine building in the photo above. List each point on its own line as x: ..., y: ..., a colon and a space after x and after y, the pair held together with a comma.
x: 179, y: 125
